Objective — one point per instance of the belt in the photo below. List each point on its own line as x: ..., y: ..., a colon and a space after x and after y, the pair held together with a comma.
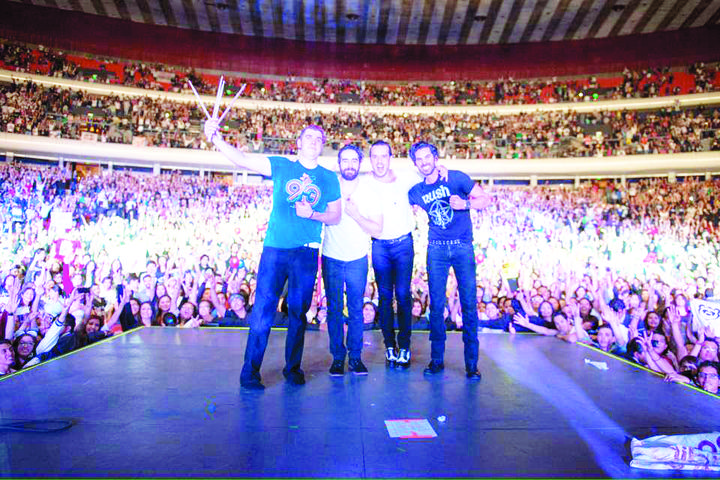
x: 447, y: 242
x: 392, y: 240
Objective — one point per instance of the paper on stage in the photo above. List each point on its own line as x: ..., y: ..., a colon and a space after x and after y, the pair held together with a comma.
x: 598, y: 365
x: 410, y: 428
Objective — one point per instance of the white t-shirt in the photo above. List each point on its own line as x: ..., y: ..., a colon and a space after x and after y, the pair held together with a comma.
x: 398, y: 217
x: 347, y: 241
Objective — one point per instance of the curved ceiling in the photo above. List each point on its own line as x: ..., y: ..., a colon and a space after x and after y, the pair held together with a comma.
x: 410, y: 22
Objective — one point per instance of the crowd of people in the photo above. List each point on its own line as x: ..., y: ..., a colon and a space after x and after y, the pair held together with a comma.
x: 87, y: 255
x: 32, y: 109
x: 612, y: 265
x: 651, y: 82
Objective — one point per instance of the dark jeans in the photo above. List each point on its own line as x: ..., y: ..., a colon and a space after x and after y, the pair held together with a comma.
x: 393, y: 263
x: 299, y: 267
x: 340, y: 278
x: 462, y: 259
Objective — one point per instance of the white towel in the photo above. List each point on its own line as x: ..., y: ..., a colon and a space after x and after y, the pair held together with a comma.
x: 677, y: 452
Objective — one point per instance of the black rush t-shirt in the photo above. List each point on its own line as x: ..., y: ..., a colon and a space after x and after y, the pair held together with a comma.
x: 445, y: 223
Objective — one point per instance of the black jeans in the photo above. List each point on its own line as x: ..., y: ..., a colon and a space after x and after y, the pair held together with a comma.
x: 393, y: 263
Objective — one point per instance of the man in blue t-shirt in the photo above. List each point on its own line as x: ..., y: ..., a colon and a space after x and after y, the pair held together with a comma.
x: 450, y: 244
x: 305, y: 196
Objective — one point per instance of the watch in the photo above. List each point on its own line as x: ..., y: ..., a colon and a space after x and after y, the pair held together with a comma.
x: 467, y: 204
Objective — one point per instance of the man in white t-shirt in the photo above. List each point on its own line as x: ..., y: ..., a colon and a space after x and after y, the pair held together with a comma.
x: 345, y: 261
x: 393, y: 253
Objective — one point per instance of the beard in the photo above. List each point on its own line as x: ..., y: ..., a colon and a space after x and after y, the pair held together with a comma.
x: 349, y: 174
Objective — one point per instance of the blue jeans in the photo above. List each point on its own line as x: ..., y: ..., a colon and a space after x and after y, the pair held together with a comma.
x: 341, y: 278
x: 393, y: 263
x: 299, y: 267
x: 462, y: 259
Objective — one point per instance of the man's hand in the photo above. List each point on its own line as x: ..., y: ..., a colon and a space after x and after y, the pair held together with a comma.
x: 458, y: 203
x: 351, y: 209
x: 212, y: 128
x: 443, y: 172
x: 303, y: 209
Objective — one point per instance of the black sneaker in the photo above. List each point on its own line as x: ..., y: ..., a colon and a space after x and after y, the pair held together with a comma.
x: 252, y: 385
x: 251, y: 382
x: 295, y: 377
x: 403, y: 359
x: 337, y: 369
x: 356, y: 366
x: 473, y: 375
x: 434, y: 367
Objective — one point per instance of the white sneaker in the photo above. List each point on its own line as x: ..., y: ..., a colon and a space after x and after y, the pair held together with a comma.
x: 403, y: 358
x: 390, y: 356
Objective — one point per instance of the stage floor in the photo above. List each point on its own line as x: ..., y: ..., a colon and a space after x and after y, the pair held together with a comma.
x: 167, y: 402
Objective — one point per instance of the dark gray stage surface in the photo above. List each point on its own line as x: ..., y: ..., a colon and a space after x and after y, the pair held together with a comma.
x: 166, y: 402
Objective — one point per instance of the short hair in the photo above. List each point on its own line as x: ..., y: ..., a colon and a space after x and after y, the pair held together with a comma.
x: 381, y: 143
x: 353, y: 148
x: 317, y: 128
x: 606, y: 325
x: 419, y: 145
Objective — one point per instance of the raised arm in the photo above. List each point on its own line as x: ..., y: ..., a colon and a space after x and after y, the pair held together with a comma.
x: 212, y: 282
x: 258, y: 164
x: 614, y: 319
x: 87, y: 308
x: 116, y: 314
x: 10, y: 309
x: 581, y: 334
x: 678, y: 340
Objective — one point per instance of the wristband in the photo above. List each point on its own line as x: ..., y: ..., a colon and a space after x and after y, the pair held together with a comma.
x: 312, y: 212
x: 467, y: 204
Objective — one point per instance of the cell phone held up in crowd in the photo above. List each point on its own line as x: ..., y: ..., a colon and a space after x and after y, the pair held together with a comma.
x: 120, y: 292
x: 83, y: 290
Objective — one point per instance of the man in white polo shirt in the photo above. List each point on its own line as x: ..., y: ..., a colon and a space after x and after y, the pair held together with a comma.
x: 345, y: 261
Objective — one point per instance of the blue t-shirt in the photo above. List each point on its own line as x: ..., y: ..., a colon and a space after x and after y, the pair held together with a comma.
x: 292, y: 183
x: 445, y: 223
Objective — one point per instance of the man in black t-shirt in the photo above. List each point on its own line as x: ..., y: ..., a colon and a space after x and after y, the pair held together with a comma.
x: 450, y: 244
